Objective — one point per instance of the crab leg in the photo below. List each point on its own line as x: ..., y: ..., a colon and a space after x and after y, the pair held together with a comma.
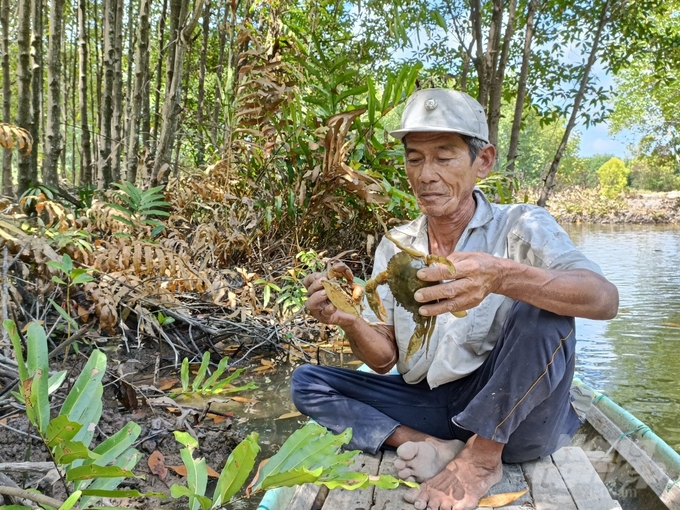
x: 373, y: 297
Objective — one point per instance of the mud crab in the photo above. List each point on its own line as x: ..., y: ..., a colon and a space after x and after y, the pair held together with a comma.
x: 400, y: 275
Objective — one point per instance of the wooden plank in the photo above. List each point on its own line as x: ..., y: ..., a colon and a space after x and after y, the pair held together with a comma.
x: 583, y: 482
x: 359, y: 499
x: 649, y: 470
x: 547, y: 487
x: 390, y: 499
x: 513, y: 481
x: 304, y: 497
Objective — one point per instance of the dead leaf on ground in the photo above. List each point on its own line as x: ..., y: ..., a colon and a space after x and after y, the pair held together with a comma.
x: 257, y: 475
x: 165, y: 383
x: 498, y: 500
x: 244, y: 400
x: 182, y: 471
x: 292, y: 414
x: 157, y: 466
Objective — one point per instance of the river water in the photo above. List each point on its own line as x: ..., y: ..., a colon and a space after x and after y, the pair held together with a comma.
x: 634, y: 359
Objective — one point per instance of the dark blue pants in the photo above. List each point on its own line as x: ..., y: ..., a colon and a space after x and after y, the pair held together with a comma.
x: 519, y: 396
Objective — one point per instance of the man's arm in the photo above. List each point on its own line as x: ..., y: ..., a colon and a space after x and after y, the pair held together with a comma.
x: 570, y: 292
x: 375, y: 345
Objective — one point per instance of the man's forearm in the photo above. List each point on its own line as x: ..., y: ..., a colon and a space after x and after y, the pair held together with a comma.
x: 373, y: 344
x: 574, y: 293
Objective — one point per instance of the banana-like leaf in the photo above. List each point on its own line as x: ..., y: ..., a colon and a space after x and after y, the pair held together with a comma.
x: 184, y: 374
x: 118, y: 443
x: 61, y: 429
x: 237, y: 469
x: 221, y: 367
x: 90, y: 417
x: 38, y: 369
x: 55, y: 381
x: 84, y: 391
x: 303, y: 449
x: 94, y: 471
x: 71, y: 501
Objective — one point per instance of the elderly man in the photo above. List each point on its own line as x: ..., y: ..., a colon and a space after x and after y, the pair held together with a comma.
x: 493, y: 385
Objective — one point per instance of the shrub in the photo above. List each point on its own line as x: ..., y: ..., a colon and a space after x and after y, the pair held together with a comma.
x: 613, y: 177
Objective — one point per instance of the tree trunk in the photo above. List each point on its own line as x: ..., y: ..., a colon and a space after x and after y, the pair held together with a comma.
x: 109, y: 55
x: 159, y: 74
x: 201, y: 82
x: 521, y: 89
x: 498, y: 75
x: 117, y: 117
x: 96, y: 94
x: 37, y: 86
x: 86, y: 150
x: 25, y: 177
x: 549, y: 180
x: 217, y: 106
x: 53, y: 139
x: 173, y: 97
x: 7, y: 181
x: 141, y: 78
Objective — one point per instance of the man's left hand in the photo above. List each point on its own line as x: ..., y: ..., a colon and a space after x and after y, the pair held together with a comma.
x: 477, y: 276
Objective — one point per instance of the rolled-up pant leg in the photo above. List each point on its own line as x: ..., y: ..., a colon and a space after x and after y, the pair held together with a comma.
x: 519, y: 396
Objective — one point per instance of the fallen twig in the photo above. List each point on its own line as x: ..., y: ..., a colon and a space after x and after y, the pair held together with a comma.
x: 26, y: 467
x: 38, y: 498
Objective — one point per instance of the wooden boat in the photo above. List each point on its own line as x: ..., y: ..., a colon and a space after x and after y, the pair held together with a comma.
x: 614, y: 462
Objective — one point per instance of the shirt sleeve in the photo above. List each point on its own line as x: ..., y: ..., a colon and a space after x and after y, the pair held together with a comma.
x: 538, y: 240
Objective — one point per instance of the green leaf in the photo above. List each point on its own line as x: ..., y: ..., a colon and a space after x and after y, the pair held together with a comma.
x: 197, y: 476
x: 237, y: 469
x: 221, y: 367
x: 13, y: 333
x: 291, y: 477
x: 118, y: 443
x: 90, y: 417
x: 205, y: 361
x: 55, y: 381
x: 58, y: 280
x: 127, y: 461
x: 93, y: 471
x: 85, y: 389
x: 66, y: 263
x: 38, y: 367
x: 67, y: 451
x: 61, y: 429
x: 120, y: 493
x: 303, y: 449
x: 63, y: 313
x: 186, y: 439
x: 81, y: 278
x: 71, y: 501
x: 179, y: 491
x: 184, y: 374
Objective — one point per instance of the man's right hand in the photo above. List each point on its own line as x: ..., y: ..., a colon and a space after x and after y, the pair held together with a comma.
x: 319, y: 306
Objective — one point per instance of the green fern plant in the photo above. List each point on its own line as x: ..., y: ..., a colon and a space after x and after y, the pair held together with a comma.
x: 213, y: 384
x: 139, y: 206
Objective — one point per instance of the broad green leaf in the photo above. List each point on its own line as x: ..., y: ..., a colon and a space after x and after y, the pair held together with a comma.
x: 118, y: 443
x: 120, y: 493
x: 81, y: 278
x: 90, y: 417
x: 55, y: 381
x: 237, y: 469
x: 303, y: 449
x: 66, y: 263
x: 38, y: 367
x: 224, y: 382
x: 127, y: 461
x: 290, y: 478
x: 184, y: 374
x: 201, y: 371
x: 84, y: 391
x: 93, y: 471
x: 67, y: 451
x: 178, y: 491
x: 186, y: 439
x: 71, y: 501
x: 197, y: 476
x: 221, y: 367
x: 11, y: 329
x: 61, y: 429
x: 58, y: 280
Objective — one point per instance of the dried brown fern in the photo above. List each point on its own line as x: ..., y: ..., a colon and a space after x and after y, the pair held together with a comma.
x: 9, y: 133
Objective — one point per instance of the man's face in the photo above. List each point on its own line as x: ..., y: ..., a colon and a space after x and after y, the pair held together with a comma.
x: 441, y: 174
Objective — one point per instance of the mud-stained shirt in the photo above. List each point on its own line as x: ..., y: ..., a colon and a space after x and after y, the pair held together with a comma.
x: 524, y: 233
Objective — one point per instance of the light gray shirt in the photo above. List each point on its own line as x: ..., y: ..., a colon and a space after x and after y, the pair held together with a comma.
x: 524, y: 233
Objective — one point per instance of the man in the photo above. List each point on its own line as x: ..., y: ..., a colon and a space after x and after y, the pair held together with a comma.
x: 493, y: 385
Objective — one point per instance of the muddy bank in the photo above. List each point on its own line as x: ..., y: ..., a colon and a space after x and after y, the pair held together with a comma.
x: 588, y: 206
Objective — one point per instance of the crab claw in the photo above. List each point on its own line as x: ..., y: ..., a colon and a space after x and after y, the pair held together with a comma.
x: 373, y: 297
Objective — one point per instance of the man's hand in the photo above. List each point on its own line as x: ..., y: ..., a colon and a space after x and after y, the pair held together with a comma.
x: 320, y: 307
x: 477, y: 276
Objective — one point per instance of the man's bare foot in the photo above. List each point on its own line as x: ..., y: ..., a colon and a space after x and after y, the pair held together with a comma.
x: 464, y: 481
x: 421, y: 460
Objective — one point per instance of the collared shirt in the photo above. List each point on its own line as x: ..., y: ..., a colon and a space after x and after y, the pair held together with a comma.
x: 524, y: 233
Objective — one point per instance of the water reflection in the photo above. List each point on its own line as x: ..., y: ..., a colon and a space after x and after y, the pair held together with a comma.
x: 635, y: 357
